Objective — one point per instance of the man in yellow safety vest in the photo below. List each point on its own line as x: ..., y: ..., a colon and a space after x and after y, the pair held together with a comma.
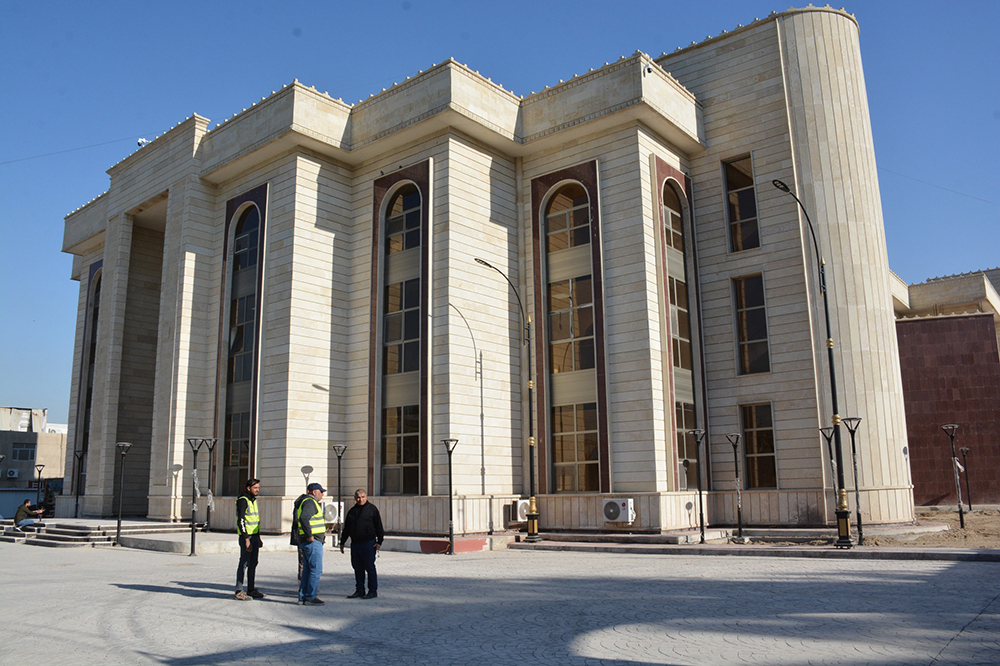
x: 311, y: 528
x: 248, y: 527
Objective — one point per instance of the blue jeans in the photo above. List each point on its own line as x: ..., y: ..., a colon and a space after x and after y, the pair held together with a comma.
x: 312, y: 567
x: 363, y: 561
x: 26, y: 521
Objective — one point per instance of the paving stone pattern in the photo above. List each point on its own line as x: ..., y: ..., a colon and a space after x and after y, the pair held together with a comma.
x: 118, y: 606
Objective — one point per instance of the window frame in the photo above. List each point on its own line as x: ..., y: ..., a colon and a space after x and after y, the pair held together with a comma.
x: 755, y: 458
x: 727, y: 192
x: 744, y: 370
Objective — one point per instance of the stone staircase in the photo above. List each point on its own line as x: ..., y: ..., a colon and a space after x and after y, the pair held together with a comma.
x: 69, y: 535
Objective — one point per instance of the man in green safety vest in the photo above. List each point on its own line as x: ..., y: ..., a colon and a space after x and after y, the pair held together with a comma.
x: 310, y: 525
x: 248, y: 527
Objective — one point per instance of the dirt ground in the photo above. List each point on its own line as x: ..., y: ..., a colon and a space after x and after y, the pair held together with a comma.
x: 982, y: 530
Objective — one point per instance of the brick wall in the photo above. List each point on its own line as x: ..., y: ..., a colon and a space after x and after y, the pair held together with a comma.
x: 951, y: 374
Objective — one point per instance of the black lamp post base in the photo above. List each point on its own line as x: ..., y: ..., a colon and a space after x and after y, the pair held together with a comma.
x: 844, y: 529
x: 533, y: 536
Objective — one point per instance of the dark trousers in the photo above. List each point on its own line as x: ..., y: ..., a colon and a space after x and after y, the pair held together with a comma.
x: 248, y: 561
x: 363, y: 561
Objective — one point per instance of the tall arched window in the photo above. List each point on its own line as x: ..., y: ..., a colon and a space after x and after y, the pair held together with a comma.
x: 242, y: 344
x: 570, y: 329
x: 90, y: 364
x: 679, y: 308
x: 402, y: 310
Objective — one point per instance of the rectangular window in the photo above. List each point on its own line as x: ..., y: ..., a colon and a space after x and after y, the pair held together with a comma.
x: 401, y: 450
x: 402, y: 327
x: 760, y: 467
x: 741, y: 205
x: 571, y: 325
x: 680, y: 324
x: 687, y: 447
x: 23, y: 452
x: 574, y: 443
x: 751, y: 324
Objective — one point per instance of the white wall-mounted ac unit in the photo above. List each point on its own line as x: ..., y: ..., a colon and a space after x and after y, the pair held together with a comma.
x: 619, y: 510
x: 12, y: 474
x: 330, y: 511
x: 519, y: 510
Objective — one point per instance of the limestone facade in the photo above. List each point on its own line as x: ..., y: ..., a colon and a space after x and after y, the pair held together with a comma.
x: 680, y: 292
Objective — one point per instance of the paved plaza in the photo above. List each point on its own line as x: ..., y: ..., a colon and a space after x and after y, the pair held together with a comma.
x: 123, y: 606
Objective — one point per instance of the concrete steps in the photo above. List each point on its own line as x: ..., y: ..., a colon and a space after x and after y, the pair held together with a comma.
x: 73, y: 535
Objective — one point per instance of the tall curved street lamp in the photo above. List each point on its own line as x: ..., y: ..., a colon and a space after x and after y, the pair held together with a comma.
x: 38, y: 487
x: 526, y: 324
x: 843, y: 513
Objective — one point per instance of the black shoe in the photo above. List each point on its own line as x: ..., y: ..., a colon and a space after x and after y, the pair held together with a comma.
x: 356, y: 595
x: 370, y: 595
x: 315, y: 601
x: 255, y: 593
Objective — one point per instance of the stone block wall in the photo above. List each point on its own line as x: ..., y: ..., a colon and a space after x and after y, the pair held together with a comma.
x: 951, y: 374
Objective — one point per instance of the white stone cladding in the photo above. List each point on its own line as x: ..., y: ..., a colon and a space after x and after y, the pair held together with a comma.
x: 762, y: 91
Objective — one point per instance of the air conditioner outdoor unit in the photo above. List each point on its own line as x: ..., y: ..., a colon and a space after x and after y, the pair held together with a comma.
x: 12, y: 474
x: 330, y: 511
x: 619, y: 510
x: 519, y: 510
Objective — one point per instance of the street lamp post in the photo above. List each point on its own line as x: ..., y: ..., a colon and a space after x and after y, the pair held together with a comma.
x: 843, y: 513
x: 77, y: 472
x: 339, y: 449
x: 699, y: 437
x: 852, y: 423
x: 827, y: 433
x: 965, y: 463
x: 38, y: 487
x: 450, y: 445
x: 734, y: 439
x: 123, y: 448
x: 478, y: 354
x: 195, y: 444
x: 526, y: 324
x: 950, y: 431
x: 210, y: 443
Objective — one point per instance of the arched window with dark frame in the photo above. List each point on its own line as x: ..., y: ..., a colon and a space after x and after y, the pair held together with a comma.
x: 242, y: 344
x: 570, y: 330
x: 402, y: 312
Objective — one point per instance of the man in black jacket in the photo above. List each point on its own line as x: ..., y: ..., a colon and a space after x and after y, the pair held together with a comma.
x: 363, y: 526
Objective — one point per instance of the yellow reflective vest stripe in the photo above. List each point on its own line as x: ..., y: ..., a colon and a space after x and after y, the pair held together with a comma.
x: 317, y: 524
x: 251, y: 519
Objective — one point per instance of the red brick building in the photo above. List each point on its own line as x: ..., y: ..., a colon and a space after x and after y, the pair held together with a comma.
x: 951, y: 374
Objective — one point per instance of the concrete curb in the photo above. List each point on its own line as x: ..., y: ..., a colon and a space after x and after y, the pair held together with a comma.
x: 823, y: 552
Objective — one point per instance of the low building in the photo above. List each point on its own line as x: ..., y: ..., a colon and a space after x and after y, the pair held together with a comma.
x: 949, y: 352
x: 311, y: 272
x: 30, y: 452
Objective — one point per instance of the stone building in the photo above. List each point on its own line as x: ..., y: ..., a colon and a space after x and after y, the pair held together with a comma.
x: 304, y: 274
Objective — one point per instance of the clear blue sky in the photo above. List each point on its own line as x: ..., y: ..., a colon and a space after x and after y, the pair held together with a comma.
x: 81, y: 81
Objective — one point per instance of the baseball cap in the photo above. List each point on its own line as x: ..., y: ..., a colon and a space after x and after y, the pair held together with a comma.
x: 315, y: 486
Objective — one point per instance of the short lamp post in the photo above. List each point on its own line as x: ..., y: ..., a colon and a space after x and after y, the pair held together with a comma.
x: 950, y: 430
x: 123, y: 448
x: 827, y: 433
x: 699, y: 437
x: 843, y: 512
x: 339, y: 449
x: 965, y: 464
x: 450, y: 445
x: 195, y: 443
x: 210, y: 443
x: 38, y: 487
x: 526, y: 324
x: 852, y: 423
x: 734, y: 439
